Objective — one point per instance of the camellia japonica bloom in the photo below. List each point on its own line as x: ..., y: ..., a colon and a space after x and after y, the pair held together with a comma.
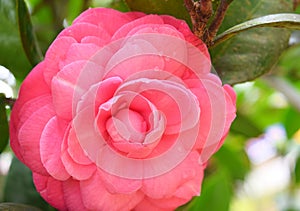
x: 122, y: 114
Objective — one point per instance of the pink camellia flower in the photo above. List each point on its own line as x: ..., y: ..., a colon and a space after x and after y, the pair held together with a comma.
x: 122, y: 114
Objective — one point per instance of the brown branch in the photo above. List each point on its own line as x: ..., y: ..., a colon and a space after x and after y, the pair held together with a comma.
x: 200, y: 12
x: 216, y: 23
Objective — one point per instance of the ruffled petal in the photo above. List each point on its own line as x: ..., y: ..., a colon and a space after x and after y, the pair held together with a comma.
x: 96, y: 197
x: 29, y: 138
x: 55, y: 56
x: 51, y: 190
x: 50, y: 148
x: 72, y: 195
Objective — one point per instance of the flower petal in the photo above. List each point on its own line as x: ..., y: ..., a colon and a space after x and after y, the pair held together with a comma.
x: 51, y: 190
x: 96, y: 197
x: 50, y: 148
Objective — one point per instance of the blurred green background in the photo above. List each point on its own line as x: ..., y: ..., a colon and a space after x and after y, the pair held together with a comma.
x: 257, y: 169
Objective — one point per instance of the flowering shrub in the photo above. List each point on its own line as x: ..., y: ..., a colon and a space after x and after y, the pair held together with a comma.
x: 122, y: 114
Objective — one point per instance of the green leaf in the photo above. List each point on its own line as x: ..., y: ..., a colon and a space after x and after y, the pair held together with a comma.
x: 175, y: 8
x: 19, y: 187
x: 17, y: 207
x: 284, y: 20
x: 27, y: 34
x: 215, y: 195
x: 3, y: 124
x: 11, y: 51
x: 297, y: 171
x: 234, y: 160
x: 254, y: 52
x: 245, y: 126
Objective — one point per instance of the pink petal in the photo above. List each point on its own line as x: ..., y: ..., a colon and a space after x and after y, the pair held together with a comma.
x: 77, y: 171
x: 55, y: 56
x: 30, y: 137
x: 72, y: 195
x: 108, y: 19
x: 17, y: 120
x: 182, y: 27
x: 187, y: 170
x: 81, y: 30
x: 75, y: 150
x: 50, y: 149
x: 96, y: 197
x: 51, y: 190
x: 119, y: 185
x: 80, y: 51
x: 126, y: 28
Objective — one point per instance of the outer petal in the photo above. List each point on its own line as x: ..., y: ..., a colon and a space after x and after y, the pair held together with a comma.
x: 109, y: 19
x: 188, y: 170
x: 30, y: 135
x: 96, y: 197
x: 55, y: 55
x: 50, y: 146
x: 51, y: 190
x: 72, y: 195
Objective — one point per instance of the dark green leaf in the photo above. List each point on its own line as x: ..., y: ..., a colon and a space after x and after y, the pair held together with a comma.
x: 175, y: 8
x: 27, y: 34
x: 215, y: 195
x: 19, y: 187
x: 17, y: 207
x: 11, y: 51
x: 245, y: 126
x: 254, y: 52
x: 284, y: 20
x: 3, y: 124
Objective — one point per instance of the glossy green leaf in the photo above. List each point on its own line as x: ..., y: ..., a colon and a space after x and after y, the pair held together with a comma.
x: 3, y: 124
x: 19, y: 187
x: 12, y: 55
x: 170, y: 7
x: 17, y: 207
x: 284, y: 20
x: 215, y: 195
x: 27, y: 34
x: 254, y: 52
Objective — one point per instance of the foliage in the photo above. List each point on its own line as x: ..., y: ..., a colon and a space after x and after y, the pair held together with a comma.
x: 28, y: 28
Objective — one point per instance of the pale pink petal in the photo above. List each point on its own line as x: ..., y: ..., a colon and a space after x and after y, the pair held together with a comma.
x: 50, y: 146
x: 182, y: 27
x: 29, y: 138
x: 185, y: 171
x: 65, y: 84
x: 75, y: 150
x: 72, y: 195
x: 96, y: 197
x: 82, y: 30
x: 51, y: 190
x: 119, y: 185
x: 76, y: 170
x: 55, y: 56
x: 80, y: 51
x: 126, y: 28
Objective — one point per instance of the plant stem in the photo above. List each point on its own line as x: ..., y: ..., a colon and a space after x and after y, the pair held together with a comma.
x: 200, y: 12
x: 216, y: 23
